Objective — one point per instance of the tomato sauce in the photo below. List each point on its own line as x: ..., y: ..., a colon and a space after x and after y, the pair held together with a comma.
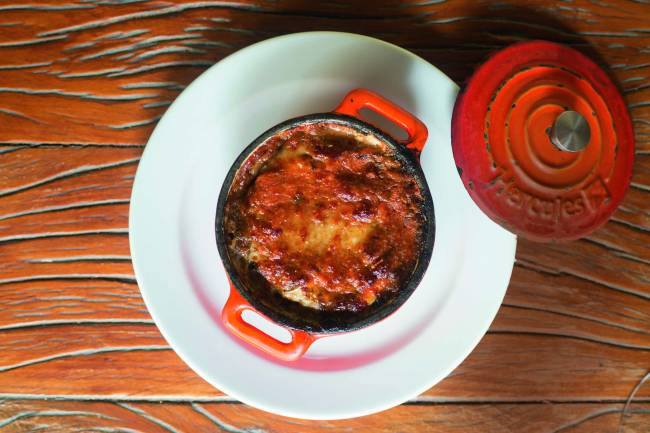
x: 328, y: 216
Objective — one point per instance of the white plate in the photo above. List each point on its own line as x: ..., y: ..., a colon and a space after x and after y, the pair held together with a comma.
x: 183, y: 282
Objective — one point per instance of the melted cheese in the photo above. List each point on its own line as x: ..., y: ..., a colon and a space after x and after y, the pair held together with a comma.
x: 331, y: 220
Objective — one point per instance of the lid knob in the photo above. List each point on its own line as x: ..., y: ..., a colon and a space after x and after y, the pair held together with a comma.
x: 570, y: 132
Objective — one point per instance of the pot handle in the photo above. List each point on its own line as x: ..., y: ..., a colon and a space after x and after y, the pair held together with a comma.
x: 363, y: 98
x: 232, y: 319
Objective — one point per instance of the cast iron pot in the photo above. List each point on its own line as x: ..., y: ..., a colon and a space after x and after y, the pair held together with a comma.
x: 249, y: 292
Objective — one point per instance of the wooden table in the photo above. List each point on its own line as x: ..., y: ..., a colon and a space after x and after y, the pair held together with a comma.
x: 82, y: 84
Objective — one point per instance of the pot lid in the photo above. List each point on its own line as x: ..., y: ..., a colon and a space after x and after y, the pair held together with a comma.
x: 543, y: 141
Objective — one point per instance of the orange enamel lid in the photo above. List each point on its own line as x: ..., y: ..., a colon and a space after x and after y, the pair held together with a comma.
x: 543, y: 141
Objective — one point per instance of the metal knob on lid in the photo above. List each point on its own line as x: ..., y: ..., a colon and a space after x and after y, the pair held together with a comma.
x: 570, y: 132
x: 543, y: 141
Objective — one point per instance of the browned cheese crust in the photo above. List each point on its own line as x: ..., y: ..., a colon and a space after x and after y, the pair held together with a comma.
x: 330, y: 218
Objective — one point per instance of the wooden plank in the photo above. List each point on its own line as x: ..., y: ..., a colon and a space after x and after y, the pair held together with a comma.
x: 29, y: 184
x: 63, y: 360
x: 69, y: 300
x: 108, y: 70
x: 21, y: 416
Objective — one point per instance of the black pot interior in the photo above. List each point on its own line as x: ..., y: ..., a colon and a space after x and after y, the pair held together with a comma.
x: 255, y: 289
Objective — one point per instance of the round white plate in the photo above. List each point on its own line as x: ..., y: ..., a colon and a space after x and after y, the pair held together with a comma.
x: 178, y: 267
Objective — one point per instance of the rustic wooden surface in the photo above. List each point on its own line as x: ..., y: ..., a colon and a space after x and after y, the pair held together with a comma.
x: 82, y: 84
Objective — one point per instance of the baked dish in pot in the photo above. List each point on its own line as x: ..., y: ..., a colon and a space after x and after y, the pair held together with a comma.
x: 325, y: 224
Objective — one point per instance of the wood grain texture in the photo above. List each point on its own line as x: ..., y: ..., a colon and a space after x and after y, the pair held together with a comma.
x: 82, y: 84
x: 133, y: 417
x: 109, y: 69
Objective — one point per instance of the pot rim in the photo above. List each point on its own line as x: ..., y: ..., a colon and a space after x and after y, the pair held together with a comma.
x: 373, y: 315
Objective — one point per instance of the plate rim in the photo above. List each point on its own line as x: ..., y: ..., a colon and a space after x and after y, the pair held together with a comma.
x: 147, y: 295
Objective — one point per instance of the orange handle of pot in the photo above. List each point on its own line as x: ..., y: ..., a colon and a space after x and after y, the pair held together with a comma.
x: 363, y: 98
x: 232, y: 318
